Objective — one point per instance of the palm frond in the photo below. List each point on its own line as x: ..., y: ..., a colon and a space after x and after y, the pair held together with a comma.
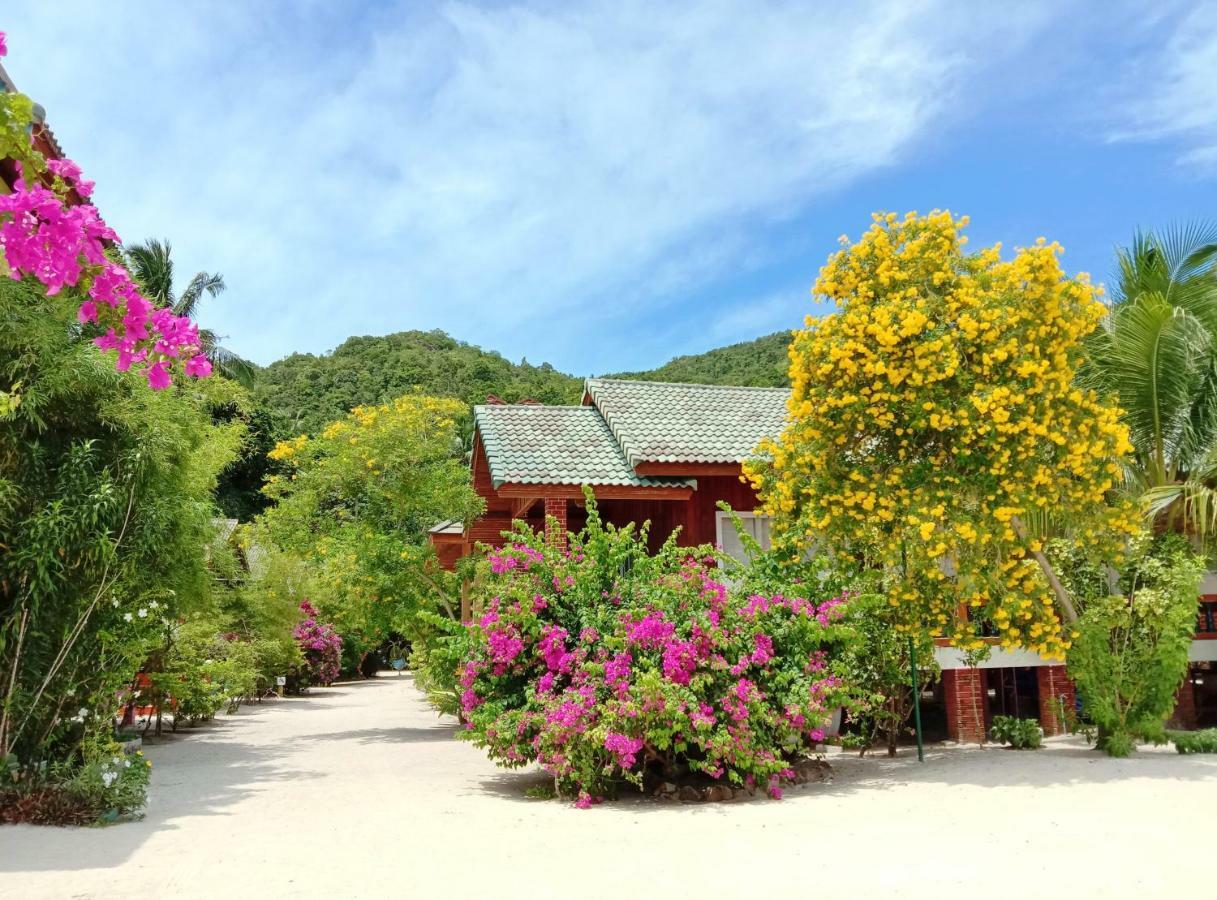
x: 1189, y: 507
x: 224, y: 361
x: 151, y: 265
x: 1155, y: 358
x: 210, y: 283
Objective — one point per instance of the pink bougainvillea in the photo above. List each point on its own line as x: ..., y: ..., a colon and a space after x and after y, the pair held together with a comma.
x: 49, y: 232
x: 671, y: 674
x: 320, y: 644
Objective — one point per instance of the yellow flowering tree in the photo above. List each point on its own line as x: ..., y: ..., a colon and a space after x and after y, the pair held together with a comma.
x: 935, y: 425
x: 354, y: 506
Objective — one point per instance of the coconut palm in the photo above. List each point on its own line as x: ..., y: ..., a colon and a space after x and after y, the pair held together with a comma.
x: 151, y: 265
x: 1157, y: 353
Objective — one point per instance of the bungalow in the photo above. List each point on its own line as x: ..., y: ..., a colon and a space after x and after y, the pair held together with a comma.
x: 668, y: 454
x: 664, y: 453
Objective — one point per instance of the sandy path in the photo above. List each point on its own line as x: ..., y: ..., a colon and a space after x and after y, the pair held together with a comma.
x: 360, y: 791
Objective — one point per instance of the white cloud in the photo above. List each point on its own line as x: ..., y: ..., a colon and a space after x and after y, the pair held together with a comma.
x: 520, y: 176
x: 1174, y: 94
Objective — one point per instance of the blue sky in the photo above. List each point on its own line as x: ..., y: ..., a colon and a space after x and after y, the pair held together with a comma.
x: 605, y: 186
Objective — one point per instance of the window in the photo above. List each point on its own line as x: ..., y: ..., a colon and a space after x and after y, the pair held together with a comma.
x: 754, y: 525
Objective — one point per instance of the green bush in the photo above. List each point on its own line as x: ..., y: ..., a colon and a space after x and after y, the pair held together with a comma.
x: 1195, y: 741
x: 1129, y: 652
x: 1021, y: 734
x: 105, y: 518
x: 103, y: 785
x: 435, y: 658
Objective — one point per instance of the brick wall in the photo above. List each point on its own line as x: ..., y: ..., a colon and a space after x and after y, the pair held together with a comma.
x: 966, y: 703
x: 1054, y: 685
x: 1184, y: 715
x: 556, y: 509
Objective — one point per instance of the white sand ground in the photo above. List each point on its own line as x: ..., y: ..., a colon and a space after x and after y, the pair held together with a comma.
x: 360, y: 791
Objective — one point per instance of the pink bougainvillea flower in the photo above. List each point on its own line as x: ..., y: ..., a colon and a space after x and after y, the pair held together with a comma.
x: 61, y: 243
x: 158, y: 376
x: 198, y: 366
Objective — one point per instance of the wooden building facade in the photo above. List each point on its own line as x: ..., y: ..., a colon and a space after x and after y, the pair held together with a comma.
x: 661, y: 453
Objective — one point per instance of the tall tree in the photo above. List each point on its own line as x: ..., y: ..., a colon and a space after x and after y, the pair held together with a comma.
x: 934, y: 419
x: 1156, y: 353
x: 151, y: 263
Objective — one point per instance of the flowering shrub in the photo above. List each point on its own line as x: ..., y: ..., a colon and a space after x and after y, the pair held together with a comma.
x: 107, y: 784
x: 604, y: 665
x: 320, y: 644
x: 49, y: 231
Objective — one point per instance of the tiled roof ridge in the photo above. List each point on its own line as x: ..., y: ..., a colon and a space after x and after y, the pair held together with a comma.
x: 627, y: 450
x: 686, y: 384
x: 601, y: 391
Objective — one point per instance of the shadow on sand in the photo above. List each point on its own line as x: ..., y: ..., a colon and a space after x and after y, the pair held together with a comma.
x: 1061, y: 762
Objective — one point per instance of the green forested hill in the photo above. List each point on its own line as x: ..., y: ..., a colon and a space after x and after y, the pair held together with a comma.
x: 758, y: 363
x: 302, y: 392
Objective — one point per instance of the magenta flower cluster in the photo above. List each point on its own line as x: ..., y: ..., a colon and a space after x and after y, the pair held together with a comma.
x: 321, y: 645
x: 606, y: 674
x: 50, y: 232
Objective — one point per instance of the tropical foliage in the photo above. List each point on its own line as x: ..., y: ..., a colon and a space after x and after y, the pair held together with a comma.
x: 352, y: 512
x: 304, y: 392
x: 607, y: 665
x: 1195, y: 741
x: 1130, y: 655
x: 105, y: 517
x: 758, y: 363
x: 1021, y: 734
x: 935, y: 423
x: 1156, y: 354
x: 151, y: 265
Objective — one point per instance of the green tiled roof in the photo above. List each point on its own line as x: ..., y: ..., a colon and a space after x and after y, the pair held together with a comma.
x: 530, y: 444
x: 698, y: 423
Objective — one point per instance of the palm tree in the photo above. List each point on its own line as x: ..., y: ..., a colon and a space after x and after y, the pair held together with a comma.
x: 1157, y: 353
x: 151, y: 265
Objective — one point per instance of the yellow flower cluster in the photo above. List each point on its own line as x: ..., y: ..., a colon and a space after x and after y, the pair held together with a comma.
x: 934, y: 417
x: 289, y: 449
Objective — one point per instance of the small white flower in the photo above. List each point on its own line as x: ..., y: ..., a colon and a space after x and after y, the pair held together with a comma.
x: 83, y: 712
x: 127, y: 617
x: 154, y: 604
x: 108, y: 778
x: 143, y: 613
x: 114, y: 603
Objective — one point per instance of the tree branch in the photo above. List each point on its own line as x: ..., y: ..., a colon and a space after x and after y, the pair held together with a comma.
x: 1062, y: 595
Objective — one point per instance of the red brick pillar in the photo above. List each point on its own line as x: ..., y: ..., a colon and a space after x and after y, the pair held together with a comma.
x: 1055, y: 688
x: 1184, y: 715
x: 966, y: 704
x: 555, y: 512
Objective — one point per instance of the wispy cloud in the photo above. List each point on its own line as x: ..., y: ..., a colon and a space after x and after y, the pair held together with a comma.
x: 1173, y: 91
x: 519, y: 175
